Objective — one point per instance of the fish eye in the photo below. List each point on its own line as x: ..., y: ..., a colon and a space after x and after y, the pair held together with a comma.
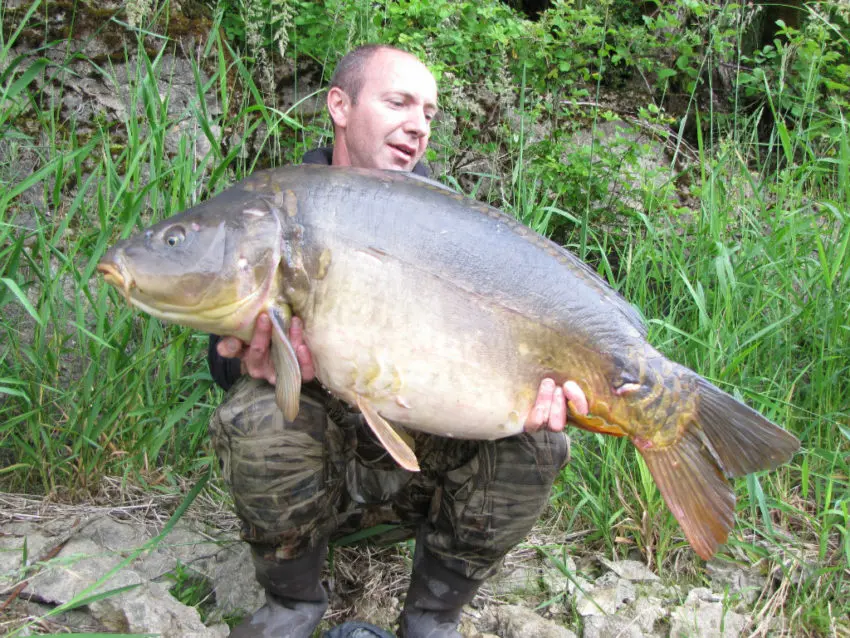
x: 175, y: 236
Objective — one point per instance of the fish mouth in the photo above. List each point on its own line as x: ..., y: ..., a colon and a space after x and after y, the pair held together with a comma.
x: 117, y: 276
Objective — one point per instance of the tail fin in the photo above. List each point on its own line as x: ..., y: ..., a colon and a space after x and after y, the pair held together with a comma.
x: 725, y: 437
x: 694, y: 489
x: 742, y: 439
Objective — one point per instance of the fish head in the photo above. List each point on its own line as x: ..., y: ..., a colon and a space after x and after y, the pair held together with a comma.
x: 200, y: 269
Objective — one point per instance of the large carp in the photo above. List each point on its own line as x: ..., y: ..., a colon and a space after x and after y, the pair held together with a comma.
x: 429, y: 310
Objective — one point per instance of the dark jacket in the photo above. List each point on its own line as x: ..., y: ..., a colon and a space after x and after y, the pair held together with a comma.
x: 226, y: 371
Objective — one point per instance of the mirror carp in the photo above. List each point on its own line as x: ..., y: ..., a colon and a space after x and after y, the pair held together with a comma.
x: 431, y: 311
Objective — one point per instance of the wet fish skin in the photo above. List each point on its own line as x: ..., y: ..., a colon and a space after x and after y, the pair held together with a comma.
x: 430, y: 310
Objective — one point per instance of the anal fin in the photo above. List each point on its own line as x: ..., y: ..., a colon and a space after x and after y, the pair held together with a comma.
x: 388, y: 436
x: 694, y: 488
x: 288, y: 387
x: 591, y: 423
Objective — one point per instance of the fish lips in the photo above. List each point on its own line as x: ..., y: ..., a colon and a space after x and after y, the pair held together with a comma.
x: 114, y: 273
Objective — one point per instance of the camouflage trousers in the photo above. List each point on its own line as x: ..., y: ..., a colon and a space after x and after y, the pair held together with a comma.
x: 324, y: 476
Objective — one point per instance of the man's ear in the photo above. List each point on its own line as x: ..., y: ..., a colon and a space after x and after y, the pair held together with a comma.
x: 339, y: 104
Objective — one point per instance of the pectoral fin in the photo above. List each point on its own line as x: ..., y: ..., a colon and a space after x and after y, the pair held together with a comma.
x: 388, y: 436
x: 288, y: 386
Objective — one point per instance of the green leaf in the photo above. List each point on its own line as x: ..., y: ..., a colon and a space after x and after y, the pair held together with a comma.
x: 22, y: 298
x: 25, y: 78
x: 15, y: 393
x: 87, y: 600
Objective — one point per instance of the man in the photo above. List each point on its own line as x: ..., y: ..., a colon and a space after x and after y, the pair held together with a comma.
x: 298, y: 485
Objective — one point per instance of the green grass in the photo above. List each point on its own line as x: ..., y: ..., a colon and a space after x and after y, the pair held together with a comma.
x: 749, y: 284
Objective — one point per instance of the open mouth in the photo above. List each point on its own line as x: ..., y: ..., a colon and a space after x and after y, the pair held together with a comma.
x: 407, y: 151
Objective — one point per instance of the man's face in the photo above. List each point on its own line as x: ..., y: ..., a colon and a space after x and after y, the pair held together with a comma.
x: 389, y: 124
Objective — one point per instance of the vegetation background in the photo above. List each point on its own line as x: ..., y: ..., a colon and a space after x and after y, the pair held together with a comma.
x: 694, y: 152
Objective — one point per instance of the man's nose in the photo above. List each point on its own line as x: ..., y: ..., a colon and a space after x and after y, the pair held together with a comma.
x: 418, y: 124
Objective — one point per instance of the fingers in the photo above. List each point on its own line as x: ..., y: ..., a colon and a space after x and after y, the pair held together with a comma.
x: 558, y: 411
x: 256, y: 356
x: 302, y: 352
x: 230, y: 347
x: 550, y: 406
x: 575, y: 395
x: 257, y: 359
x: 539, y: 414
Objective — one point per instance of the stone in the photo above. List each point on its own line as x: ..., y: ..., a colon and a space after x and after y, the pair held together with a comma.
x: 631, y: 570
x: 746, y: 582
x: 607, y: 626
x: 703, y: 616
x: 517, y: 582
x: 100, y: 545
x: 95, y: 548
x: 555, y: 581
x: 149, y: 608
x: 513, y: 621
x: 193, y: 137
x: 231, y: 571
x: 608, y: 594
x: 75, y: 621
x: 646, y: 611
x: 80, y: 564
x: 12, y: 541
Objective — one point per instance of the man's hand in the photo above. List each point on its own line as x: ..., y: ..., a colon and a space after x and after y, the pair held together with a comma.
x: 256, y: 356
x: 550, y: 407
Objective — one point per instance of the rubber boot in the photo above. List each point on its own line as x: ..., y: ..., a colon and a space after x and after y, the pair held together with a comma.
x: 295, y: 598
x: 435, y: 599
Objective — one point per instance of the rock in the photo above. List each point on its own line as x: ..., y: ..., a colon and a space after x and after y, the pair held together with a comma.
x: 516, y: 582
x: 555, y: 581
x: 12, y: 541
x: 737, y: 580
x: 231, y: 571
x: 513, y: 621
x: 97, y: 547
x: 639, y: 619
x: 100, y: 545
x: 76, y: 620
x: 607, y: 626
x: 608, y: 594
x: 149, y: 608
x: 631, y: 570
x: 703, y: 615
x: 646, y: 611
x: 80, y: 564
x: 195, y: 140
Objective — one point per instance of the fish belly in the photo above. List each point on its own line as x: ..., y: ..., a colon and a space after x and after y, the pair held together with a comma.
x: 426, y: 354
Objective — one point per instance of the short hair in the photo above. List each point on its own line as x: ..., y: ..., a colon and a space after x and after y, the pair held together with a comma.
x: 348, y: 74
